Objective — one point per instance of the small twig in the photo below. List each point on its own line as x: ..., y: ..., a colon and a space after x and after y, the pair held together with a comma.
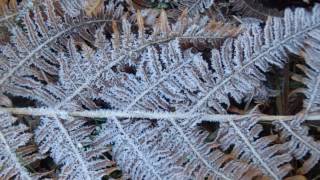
x: 145, y: 114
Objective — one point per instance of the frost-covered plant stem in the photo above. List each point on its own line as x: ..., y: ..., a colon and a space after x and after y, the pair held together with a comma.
x: 146, y: 114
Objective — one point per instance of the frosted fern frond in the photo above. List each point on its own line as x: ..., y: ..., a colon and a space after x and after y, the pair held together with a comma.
x: 240, y: 63
x: 193, y: 87
x: 154, y: 83
x: 248, y: 145
x: 66, y: 139
x: 68, y: 142
x: 33, y: 46
x: 110, y: 56
x: 235, y: 72
x: 14, y: 137
x: 147, y: 70
x: 302, y: 146
x: 295, y: 133
x: 69, y: 145
x: 312, y: 72
x: 159, y: 75
x: 178, y: 153
x: 75, y: 85
x: 272, y: 45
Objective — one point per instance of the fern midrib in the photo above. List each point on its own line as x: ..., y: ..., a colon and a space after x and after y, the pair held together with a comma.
x: 200, y: 37
x: 74, y: 148
x: 253, y: 150
x: 22, y: 171
x: 151, y: 87
x: 135, y: 148
x: 33, y: 52
x: 194, y: 149
x: 88, y: 82
x: 254, y: 60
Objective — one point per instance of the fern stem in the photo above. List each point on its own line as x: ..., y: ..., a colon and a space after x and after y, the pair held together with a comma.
x: 146, y: 114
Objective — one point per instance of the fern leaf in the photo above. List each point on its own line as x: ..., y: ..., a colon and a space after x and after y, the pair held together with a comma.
x: 311, y: 103
x: 158, y: 72
x: 131, y: 157
x: 70, y: 80
x: 118, y: 51
x: 302, y: 146
x: 255, y: 50
x: 70, y: 68
x: 172, y: 155
x: 35, y: 43
x: 261, y: 150
x: 151, y: 73
x: 67, y: 139
x: 12, y: 138
x: 68, y: 144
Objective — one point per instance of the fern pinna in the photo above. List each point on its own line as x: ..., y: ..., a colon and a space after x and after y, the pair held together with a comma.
x: 110, y: 96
